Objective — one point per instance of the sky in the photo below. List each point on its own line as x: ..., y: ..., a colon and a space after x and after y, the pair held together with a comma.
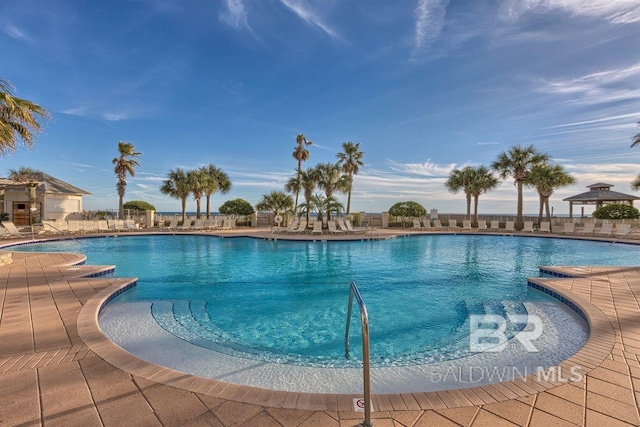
x: 425, y: 86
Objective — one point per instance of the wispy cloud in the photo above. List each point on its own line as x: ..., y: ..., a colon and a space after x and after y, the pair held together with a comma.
x: 598, y: 120
x: 604, y: 86
x: 430, y: 20
x: 309, y: 16
x: 427, y: 168
x: 235, y: 14
x: 614, y: 11
x: 18, y: 34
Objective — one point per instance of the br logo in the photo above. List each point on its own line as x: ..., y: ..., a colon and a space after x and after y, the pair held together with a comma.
x: 487, y: 332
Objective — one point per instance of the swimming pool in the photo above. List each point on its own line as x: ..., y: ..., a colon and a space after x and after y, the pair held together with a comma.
x: 285, y: 302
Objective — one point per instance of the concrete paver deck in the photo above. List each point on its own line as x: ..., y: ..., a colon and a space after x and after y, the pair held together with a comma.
x: 50, y: 376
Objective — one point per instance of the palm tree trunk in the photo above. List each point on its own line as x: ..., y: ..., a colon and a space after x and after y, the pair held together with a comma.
x: 548, y: 210
x: 184, y: 208
x: 469, y: 206
x: 197, y: 208
x: 519, y: 224
x: 121, y: 206
x: 540, y: 209
x: 476, y: 199
x: 349, y: 201
x: 208, y: 203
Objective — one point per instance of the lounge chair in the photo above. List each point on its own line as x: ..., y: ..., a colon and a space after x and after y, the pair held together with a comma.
x: 317, y: 227
x: 87, y: 226
x: 426, y: 224
x: 588, y: 227
x: 331, y: 225
x: 11, y: 228
x: 103, y: 226
x: 453, y: 224
x: 74, y: 226
x: 416, y: 224
x: 466, y: 224
x: 495, y: 225
x: 622, y: 229
x: 545, y: 227
x: 607, y: 228
x: 437, y: 224
x: 569, y: 227
x: 482, y: 225
x: 528, y: 226
x: 289, y: 229
x: 186, y: 225
x: 510, y: 226
x: 352, y: 229
x: 197, y: 225
x: 173, y: 224
x: 342, y: 226
x: 130, y: 225
x: 302, y: 227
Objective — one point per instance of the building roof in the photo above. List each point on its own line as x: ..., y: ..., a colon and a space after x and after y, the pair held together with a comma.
x: 600, y: 193
x: 48, y: 184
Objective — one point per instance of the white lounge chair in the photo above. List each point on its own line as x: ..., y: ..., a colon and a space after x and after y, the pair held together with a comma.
x: 453, y: 224
x: 352, y: 229
x: 103, y: 226
x: 130, y: 225
x: 466, y: 224
x: 495, y: 225
x: 528, y: 226
x: 545, y: 227
x: 331, y: 225
x: 510, y: 226
x: 74, y: 226
x: 186, y: 225
x: 426, y: 224
x: 317, y: 227
x: 607, y: 228
x: 437, y: 224
x: 302, y: 227
x: 197, y: 225
x: 588, y: 227
x: 173, y: 224
x: 11, y: 228
x: 416, y: 224
x: 482, y: 225
x: 622, y: 229
x: 569, y: 227
x: 87, y: 226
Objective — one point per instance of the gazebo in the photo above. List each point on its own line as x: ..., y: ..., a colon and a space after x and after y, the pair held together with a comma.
x: 599, y: 194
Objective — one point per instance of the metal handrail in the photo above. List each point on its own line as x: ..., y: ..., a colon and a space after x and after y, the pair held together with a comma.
x: 364, y: 320
x: 624, y: 235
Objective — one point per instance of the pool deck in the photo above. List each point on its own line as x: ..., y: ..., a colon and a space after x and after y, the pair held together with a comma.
x: 50, y: 376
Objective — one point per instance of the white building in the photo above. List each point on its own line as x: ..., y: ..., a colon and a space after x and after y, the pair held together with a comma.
x: 54, y: 199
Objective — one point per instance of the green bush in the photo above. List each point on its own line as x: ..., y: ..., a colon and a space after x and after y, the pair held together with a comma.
x: 409, y: 209
x: 616, y: 211
x: 236, y: 208
x: 139, y: 205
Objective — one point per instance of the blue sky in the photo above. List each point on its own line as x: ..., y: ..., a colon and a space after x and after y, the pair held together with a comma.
x: 424, y: 85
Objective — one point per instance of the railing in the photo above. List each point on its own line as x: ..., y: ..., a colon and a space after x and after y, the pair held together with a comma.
x: 624, y: 235
x: 364, y: 320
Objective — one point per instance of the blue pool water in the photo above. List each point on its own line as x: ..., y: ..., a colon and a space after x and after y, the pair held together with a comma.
x: 286, y: 301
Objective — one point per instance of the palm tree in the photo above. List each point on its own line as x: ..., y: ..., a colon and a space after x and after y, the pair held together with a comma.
x: 196, y: 179
x: 545, y: 179
x: 331, y: 179
x: 19, y: 119
x: 276, y: 201
x: 124, y: 164
x: 482, y: 180
x: 177, y: 186
x: 308, y: 183
x: 28, y: 177
x: 216, y: 180
x: 459, y: 179
x: 351, y: 161
x: 301, y: 154
x: 321, y: 204
x: 517, y: 163
x: 294, y: 184
x: 636, y: 183
x: 636, y: 139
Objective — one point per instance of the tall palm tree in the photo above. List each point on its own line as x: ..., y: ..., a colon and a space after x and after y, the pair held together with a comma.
x: 216, y: 180
x: 197, y: 182
x: 301, y: 154
x: 19, y: 119
x: 276, y: 201
x: 177, y: 185
x: 294, y: 184
x: 351, y: 161
x: 331, y: 179
x: 460, y: 179
x: 517, y: 163
x: 28, y: 177
x: 123, y: 165
x: 308, y: 183
x: 482, y: 180
x: 545, y: 179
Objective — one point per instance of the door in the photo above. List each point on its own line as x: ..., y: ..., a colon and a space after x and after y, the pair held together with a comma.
x: 20, y: 213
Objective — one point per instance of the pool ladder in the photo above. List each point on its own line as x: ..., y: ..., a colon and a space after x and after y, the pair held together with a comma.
x: 364, y: 320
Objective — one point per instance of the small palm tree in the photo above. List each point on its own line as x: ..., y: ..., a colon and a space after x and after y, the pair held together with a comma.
x: 460, y: 179
x: 351, y: 161
x: 19, y: 120
x: 517, y: 163
x: 177, y: 186
x: 216, y: 180
x: 330, y: 178
x: 482, y: 180
x: 545, y: 179
x: 123, y: 165
x: 321, y: 205
x: 308, y: 183
x: 28, y: 177
x: 276, y: 201
x: 301, y: 154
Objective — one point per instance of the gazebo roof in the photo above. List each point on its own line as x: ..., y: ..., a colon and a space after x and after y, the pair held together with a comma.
x: 46, y: 183
x: 600, y: 192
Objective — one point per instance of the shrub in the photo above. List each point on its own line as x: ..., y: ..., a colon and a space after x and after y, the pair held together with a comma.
x: 407, y: 209
x: 139, y: 205
x: 236, y: 208
x: 616, y: 211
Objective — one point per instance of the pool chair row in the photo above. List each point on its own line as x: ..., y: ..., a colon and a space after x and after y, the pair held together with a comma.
x: 339, y: 226
x: 589, y: 228
x: 88, y: 226
x: 202, y: 224
x: 452, y: 225
x: 9, y: 230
